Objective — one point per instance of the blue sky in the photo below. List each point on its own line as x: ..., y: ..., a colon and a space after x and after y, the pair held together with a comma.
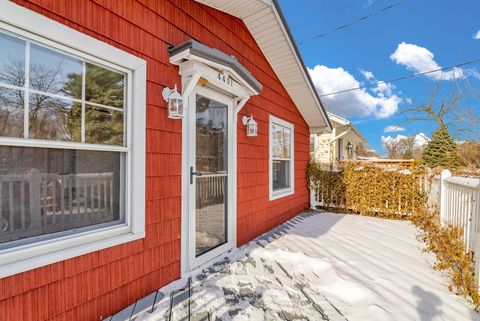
x: 412, y: 37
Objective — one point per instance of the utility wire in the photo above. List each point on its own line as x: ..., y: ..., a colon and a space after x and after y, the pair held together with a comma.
x: 400, y: 78
x: 353, y: 22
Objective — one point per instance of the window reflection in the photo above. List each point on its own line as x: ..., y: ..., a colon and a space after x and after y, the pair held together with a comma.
x: 281, y: 141
x: 57, y: 91
x: 43, y: 191
x: 103, y: 126
x: 55, y: 73
x: 280, y: 174
x: 104, y: 86
x: 11, y: 112
x: 211, y: 135
x: 12, y: 60
x: 54, y: 119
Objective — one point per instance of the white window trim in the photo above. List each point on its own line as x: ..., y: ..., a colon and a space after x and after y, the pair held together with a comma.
x: 273, y: 195
x: 23, y: 22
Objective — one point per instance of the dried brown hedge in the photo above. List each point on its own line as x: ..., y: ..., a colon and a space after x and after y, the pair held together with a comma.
x: 368, y: 190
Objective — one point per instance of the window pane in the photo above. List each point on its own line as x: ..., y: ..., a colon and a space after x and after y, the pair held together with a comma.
x: 54, y: 119
x: 277, y: 142
x: 11, y: 112
x: 12, y: 60
x: 103, y: 126
x: 280, y: 174
x: 211, y: 135
x: 104, y: 86
x: 55, y: 73
x: 210, y: 213
x: 286, y: 143
x: 43, y: 191
x: 281, y: 141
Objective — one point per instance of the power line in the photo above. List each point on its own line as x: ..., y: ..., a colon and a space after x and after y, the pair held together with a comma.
x: 376, y: 83
x: 354, y: 22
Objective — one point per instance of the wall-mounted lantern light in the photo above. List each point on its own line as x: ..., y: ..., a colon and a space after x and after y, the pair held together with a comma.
x: 175, y: 102
x: 350, y: 148
x: 252, y: 129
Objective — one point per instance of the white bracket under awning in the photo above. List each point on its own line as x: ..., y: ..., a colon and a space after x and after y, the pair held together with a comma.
x: 341, y: 135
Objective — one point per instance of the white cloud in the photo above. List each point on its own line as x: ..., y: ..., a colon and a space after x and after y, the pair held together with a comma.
x: 389, y: 139
x: 367, y: 74
x: 420, y: 59
x: 393, y: 129
x: 477, y: 35
x: 368, y: 4
x: 381, y: 103
x: 420, y: 139
x: 384, y: 89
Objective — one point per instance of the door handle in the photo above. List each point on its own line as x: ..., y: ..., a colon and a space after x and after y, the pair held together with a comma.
x: 193, y: 173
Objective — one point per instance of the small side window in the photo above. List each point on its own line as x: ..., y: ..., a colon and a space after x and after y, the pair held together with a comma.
x: 281, y: 158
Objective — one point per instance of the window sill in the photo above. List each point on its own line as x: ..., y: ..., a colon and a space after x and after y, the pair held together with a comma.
x: 23, y: 258
x: 281, y: 193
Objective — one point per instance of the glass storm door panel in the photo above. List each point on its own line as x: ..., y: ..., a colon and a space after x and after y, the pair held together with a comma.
x: 211, y: 171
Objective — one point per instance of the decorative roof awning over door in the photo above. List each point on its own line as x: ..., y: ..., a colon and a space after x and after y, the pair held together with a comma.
x: 200, y: 64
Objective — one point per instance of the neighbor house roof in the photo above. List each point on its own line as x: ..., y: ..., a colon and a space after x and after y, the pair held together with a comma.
x: 267, y: 25
x: 345, y: 122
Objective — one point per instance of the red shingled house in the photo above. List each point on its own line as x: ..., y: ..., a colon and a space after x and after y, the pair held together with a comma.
x: 108, y: 189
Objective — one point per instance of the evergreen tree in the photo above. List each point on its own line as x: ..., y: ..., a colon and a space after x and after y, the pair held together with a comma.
x: 408, y: 154
x: 441, y: 150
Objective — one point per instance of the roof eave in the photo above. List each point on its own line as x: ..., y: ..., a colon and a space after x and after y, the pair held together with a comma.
x: 280, y: 14
x: 266, y: 23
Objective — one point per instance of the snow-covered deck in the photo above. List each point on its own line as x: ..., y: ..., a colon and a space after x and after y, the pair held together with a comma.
x: 315, y: 267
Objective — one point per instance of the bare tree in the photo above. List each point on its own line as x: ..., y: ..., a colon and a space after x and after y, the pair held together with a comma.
x: 364, y: 150
x: 449, y: 112
x: 393, y: 148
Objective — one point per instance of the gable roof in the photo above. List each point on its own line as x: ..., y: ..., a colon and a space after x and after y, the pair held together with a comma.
x: 345, y: 122
x: 267, y: 25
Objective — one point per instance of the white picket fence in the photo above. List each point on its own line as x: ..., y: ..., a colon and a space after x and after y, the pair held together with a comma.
x: 460, y: 206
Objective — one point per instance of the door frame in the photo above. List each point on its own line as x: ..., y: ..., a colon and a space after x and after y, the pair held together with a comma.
x: 188, y: 260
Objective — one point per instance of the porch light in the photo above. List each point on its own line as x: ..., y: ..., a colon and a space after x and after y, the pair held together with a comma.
x: 252, y: 129
x: 175, y: 102
x: 350, y: 148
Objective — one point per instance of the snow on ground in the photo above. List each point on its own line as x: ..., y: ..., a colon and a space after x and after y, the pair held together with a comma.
x: 352, y: 267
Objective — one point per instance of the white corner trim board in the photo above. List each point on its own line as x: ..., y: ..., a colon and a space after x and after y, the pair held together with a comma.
x: 35, y: 27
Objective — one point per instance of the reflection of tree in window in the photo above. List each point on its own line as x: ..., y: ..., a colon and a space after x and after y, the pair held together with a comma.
x: 57, y: 118
x: 211, y: 135
x: 12, y: 72
x: 11, y: 112
x: 106, y: 87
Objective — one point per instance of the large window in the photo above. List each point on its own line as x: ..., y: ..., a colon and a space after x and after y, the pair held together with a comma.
x: 281, y: 158
x: 71, y: 151
x: 47, y: 94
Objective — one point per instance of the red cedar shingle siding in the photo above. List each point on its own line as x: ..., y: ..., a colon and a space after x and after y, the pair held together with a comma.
x: 104, y: 282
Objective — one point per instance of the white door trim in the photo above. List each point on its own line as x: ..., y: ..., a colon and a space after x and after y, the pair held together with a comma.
x: 188, y: 259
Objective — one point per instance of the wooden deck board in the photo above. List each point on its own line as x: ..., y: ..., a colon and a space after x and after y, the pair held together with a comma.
x: 143, y: 305
x: 125, y: 314
x: 179, y: 304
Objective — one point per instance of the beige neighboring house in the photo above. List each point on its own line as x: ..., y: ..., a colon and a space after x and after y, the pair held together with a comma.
x: 340, y: 144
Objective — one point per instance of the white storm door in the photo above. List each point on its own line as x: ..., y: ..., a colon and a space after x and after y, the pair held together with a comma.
x: 210, y: 176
